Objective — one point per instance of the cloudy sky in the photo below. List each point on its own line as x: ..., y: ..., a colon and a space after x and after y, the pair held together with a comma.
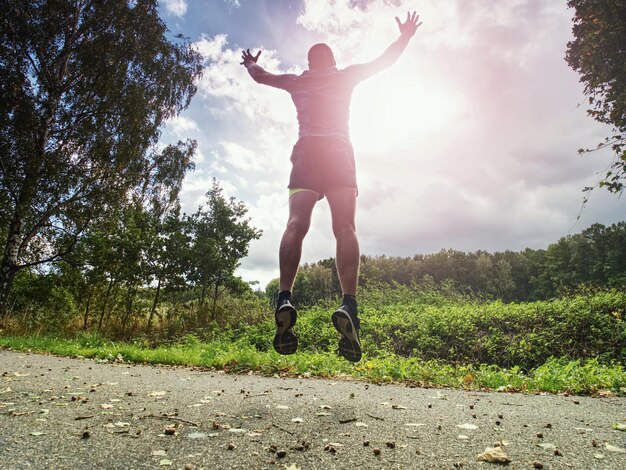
x: 468, y: 142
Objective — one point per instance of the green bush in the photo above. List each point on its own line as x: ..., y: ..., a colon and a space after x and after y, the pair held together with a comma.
x: 410, y: 321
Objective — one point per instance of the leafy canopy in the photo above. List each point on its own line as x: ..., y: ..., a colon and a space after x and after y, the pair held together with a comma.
x: 598, y: 54
x: 85, y: 87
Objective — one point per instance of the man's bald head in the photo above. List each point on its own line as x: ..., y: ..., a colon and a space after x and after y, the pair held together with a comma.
x: 321, y: 57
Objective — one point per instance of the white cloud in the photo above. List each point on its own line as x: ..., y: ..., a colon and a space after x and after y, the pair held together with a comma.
x: 182, y: 127
x: 211, y: 48
x: 175, y: 7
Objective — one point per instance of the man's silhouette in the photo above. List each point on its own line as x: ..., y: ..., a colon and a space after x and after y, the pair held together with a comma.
x: 323, y: 165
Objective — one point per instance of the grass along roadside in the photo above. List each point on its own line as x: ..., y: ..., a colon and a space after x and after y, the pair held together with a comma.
x: 554, y: 376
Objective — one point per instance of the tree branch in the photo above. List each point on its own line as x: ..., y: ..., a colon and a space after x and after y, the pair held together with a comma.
x: 58, y: 255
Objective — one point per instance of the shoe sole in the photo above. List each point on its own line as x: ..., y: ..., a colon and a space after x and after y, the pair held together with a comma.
x: 349, y: 344
x: 285, y: 340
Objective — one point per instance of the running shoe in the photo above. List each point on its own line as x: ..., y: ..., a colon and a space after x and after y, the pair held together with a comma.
x: 347, y: 323
x: 285, y: 340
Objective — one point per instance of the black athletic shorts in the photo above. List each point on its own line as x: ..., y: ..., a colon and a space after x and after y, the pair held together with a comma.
x: 321, y: 163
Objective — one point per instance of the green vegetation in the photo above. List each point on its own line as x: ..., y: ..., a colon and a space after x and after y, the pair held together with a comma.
x: 556, y: 375
x: 594, y: 258
x: 86, y: 87
x: 412, y: 334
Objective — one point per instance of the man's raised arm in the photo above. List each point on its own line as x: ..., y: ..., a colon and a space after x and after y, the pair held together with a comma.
x: 393, y: 52
x: 260, y: 75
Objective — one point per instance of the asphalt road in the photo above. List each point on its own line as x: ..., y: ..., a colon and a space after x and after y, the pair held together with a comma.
x: 64, y: 413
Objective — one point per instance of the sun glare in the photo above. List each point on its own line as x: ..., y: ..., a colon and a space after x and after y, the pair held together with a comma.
x: 394, y: 110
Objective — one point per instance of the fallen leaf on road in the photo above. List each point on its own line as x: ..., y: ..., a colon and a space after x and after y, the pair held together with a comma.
x: 37, y: 433
x: 19, y: 374
x: 170, y: 430
x: 467, y: 426
x: 293, y: 466
x: 157, y: 394
x: 237, y: 430
x: 398, y: 407
x: 322, y: 413
x: 253, y: 434
x: 282, y: 407
x: 297, y: 420
x: 494, y: 455
x: 619, y: 426
x: 358, y: 424
x: 165, y: 463
x: 612, y: 448
x: 547, y: 445
x: 325, y: 407
x: 106, y: 406
x: 439, y: 396
x: 118, y: 424
x: 159, y: 453
x: 461, y: 436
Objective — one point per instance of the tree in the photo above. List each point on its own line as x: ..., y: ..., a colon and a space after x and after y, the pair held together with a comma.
x: 85, y: 87
x: 598, y: 54
x: 168, y: 257
x: 220, y: 238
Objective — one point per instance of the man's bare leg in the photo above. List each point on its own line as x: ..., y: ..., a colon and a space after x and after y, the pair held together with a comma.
x: 300, y: 209
x: 342, y: 204
x: 345, y: 320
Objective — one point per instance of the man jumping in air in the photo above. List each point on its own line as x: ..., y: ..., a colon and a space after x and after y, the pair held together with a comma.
x: 323, y: 165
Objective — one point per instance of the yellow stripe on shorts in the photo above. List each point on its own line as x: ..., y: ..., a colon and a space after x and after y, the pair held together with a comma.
x: 293, y: 191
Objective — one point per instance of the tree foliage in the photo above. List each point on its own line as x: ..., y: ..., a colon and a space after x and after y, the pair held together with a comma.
x: 220, y: 238
x: 598, y: 54
x: 85, y: 87
x: 593, y: 258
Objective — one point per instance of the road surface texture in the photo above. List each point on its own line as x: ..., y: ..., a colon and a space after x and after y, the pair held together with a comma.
x: 74, y: 413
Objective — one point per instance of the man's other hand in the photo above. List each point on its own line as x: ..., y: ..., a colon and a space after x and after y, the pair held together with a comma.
x: 410, y: 25
x: 248, y: 58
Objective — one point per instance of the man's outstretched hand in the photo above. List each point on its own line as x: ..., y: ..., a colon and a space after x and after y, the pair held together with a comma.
x: 410, y: 25
x: 248, y: 58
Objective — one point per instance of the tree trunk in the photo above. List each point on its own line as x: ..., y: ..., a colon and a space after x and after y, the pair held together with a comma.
x: 86, y: 317
x: 216, y: 294
x: 104, y: 305
x: 154, y: 305
x: 9, y: 267
x: 130, y: 297
x: 203, y: 295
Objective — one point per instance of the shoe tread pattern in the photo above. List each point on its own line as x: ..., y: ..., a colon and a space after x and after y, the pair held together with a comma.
x: 285, y: 339
x: 349, y: 344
